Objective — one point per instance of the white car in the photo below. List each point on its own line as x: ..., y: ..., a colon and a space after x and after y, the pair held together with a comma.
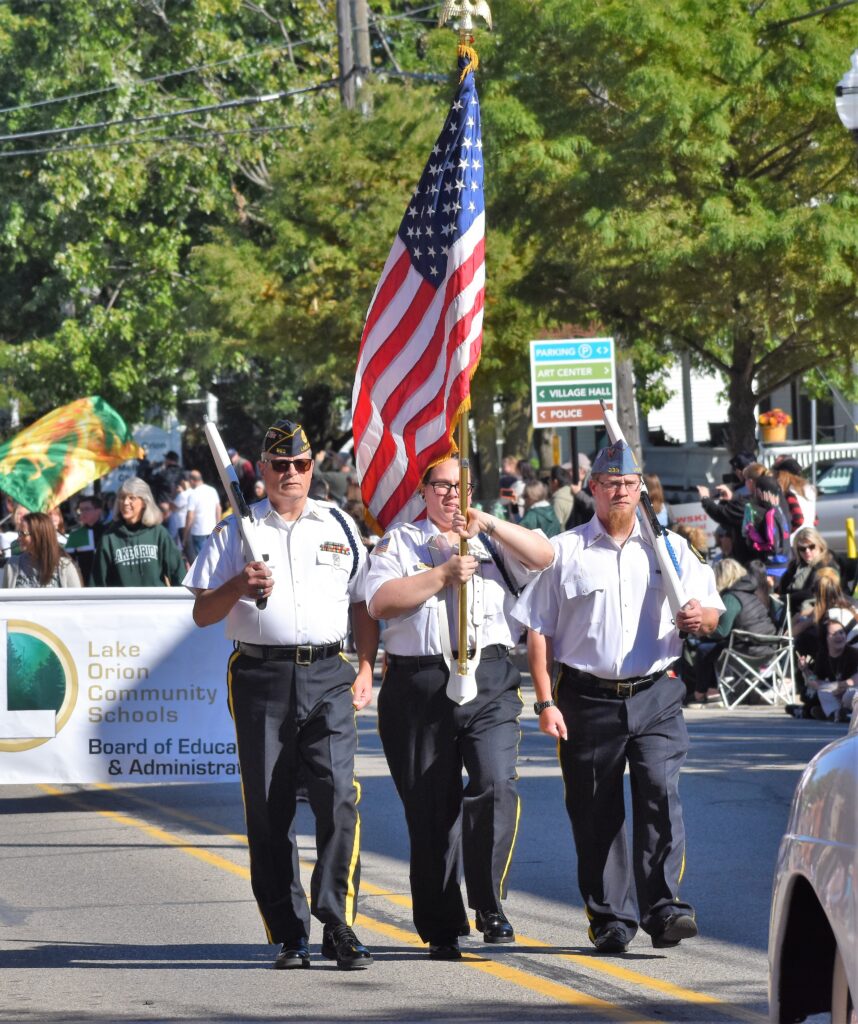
x: 837, y: 500
x: 813, y: 935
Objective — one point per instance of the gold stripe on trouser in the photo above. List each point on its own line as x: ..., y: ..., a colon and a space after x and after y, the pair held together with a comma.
x: 351, y: 893
x: 517, y: 813
x: 229, y: 666
x: 681, y: 869
x: 511, y: 846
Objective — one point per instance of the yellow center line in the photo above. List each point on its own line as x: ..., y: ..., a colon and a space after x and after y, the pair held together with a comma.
x: 551, y: 989
x: 155, y: 832
x: 590, y: 963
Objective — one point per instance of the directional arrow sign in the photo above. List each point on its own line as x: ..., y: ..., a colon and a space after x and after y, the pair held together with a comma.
x: 568, y: 379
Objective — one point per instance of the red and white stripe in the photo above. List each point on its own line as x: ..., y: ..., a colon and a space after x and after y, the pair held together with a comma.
x: 419, y: 350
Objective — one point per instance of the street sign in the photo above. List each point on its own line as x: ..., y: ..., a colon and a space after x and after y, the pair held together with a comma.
x: 568, y: 379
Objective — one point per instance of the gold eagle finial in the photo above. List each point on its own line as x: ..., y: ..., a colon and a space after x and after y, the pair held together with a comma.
x: 465, y: 11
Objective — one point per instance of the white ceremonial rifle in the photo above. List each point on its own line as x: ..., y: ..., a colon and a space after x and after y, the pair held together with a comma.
x: 240, y: 508
x: 667, y: 560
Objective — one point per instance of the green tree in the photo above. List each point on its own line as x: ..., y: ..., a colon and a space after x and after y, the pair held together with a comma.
x: 689, y: 183
x: 97, y: 225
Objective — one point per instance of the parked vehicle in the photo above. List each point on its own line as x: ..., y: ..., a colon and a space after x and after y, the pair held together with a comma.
x: 837, y: 500
x: 813, y: 937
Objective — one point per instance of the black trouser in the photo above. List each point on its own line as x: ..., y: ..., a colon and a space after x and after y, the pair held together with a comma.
x: 648, y: 732
x: 427, y: 740
x: 288, y: 718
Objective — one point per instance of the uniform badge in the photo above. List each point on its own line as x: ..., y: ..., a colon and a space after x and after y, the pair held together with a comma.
x: 335, y: 548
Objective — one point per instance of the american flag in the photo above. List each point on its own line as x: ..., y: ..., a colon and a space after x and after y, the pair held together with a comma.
x: 424, y: 329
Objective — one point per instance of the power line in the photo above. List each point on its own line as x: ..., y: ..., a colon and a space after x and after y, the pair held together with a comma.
x: 244, y: 101
x: 155, y: 78
x: 197, y: 67
x: 142, y: 138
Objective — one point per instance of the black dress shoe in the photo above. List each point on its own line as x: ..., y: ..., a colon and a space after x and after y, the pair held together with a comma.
x: 292, y: 955
x: 494, y: 926
x: 610, y: 940
x: 448, y: 950
x: 340, y: 943
x: 674, y: 929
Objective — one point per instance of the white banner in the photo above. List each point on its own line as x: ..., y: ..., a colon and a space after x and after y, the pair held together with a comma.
x: 101, y: 685
x: 692, y: 514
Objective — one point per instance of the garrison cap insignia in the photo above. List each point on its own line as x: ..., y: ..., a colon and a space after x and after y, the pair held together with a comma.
x: 285, y: 439
x: 617, y: 459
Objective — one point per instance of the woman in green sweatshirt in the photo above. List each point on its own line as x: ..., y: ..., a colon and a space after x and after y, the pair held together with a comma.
x: 135, y: 550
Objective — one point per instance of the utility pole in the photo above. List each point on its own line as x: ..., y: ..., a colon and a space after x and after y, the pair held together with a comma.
x: 346, y: 54
x: 360, y: 23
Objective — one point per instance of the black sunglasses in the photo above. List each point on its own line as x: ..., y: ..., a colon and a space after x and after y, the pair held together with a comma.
x: 282, y: 465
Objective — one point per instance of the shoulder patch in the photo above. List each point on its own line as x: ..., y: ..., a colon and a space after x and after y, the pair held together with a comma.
x: 382, y: 545
x: 222, y: 525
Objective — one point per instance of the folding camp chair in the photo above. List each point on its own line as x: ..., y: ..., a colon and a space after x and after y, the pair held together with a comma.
x: 768, y: 676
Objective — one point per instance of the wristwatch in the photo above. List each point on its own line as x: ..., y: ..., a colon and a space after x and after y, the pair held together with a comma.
x: 541, y: 705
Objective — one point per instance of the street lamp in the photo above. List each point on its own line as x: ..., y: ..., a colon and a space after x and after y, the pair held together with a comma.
x: 846, y: 94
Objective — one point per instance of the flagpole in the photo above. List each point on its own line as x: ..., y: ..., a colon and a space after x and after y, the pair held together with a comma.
x: 464, y: 479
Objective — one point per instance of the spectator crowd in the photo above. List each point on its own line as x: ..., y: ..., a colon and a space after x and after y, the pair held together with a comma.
x: 774, y: 570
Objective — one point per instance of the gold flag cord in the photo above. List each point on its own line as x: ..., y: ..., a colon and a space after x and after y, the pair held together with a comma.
x: 464, y: 50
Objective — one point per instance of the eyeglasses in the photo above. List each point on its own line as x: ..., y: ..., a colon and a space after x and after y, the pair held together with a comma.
x: 444, y: 487
x: 611, y: 484
x: 806, y: 547
x: 21, y: 536
x: 282, y: 465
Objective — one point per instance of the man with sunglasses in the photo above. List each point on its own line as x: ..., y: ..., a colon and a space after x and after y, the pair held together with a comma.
x: 293, y: 695
x: 601, y: 611
x: 413, y: 585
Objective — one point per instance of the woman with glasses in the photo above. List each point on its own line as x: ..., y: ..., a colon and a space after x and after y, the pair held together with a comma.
x: 809, y: 554
x: 413, y: 585
x: 136, y: 550
x: 41, y: 562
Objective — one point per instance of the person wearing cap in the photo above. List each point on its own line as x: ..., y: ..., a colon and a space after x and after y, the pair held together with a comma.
x: 739, y: 463
x: 799, y: 494
x: 602, y: 612
x: 728, y: 508
x: 428, y: 738
x: 293, y: 696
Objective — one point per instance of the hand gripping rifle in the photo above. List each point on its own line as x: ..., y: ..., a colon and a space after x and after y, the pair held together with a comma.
x: 668, y: 563
x: 240, y: 508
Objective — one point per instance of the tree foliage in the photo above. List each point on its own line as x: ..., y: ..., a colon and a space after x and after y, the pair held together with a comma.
x: 97, y: 225
x: 672, y: 173
x: 691, y: 186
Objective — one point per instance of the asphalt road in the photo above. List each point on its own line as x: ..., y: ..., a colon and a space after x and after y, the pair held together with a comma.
x: 132, y: 903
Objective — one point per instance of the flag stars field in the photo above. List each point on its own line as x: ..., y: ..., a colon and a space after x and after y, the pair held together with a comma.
x: 423, y: 333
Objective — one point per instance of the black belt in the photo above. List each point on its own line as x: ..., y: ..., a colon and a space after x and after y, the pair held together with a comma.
x: 301, y: 654
x: 491, y: 653
x: 622, y: 688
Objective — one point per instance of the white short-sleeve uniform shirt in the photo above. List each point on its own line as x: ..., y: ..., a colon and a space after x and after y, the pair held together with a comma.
x: 312, y: 561
x: 604, y: 605
x: 412, y: 548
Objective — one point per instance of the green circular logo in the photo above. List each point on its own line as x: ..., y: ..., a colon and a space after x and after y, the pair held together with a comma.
x: 41, y: 686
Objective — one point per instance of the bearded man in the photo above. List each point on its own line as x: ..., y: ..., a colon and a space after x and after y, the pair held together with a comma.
x: 601, y: 611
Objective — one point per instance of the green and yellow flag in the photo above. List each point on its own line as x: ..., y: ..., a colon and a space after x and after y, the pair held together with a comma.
x: 64, y: 451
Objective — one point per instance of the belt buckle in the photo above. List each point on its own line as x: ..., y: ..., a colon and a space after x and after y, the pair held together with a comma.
x: 300, y: 656
x: 625, y: 689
